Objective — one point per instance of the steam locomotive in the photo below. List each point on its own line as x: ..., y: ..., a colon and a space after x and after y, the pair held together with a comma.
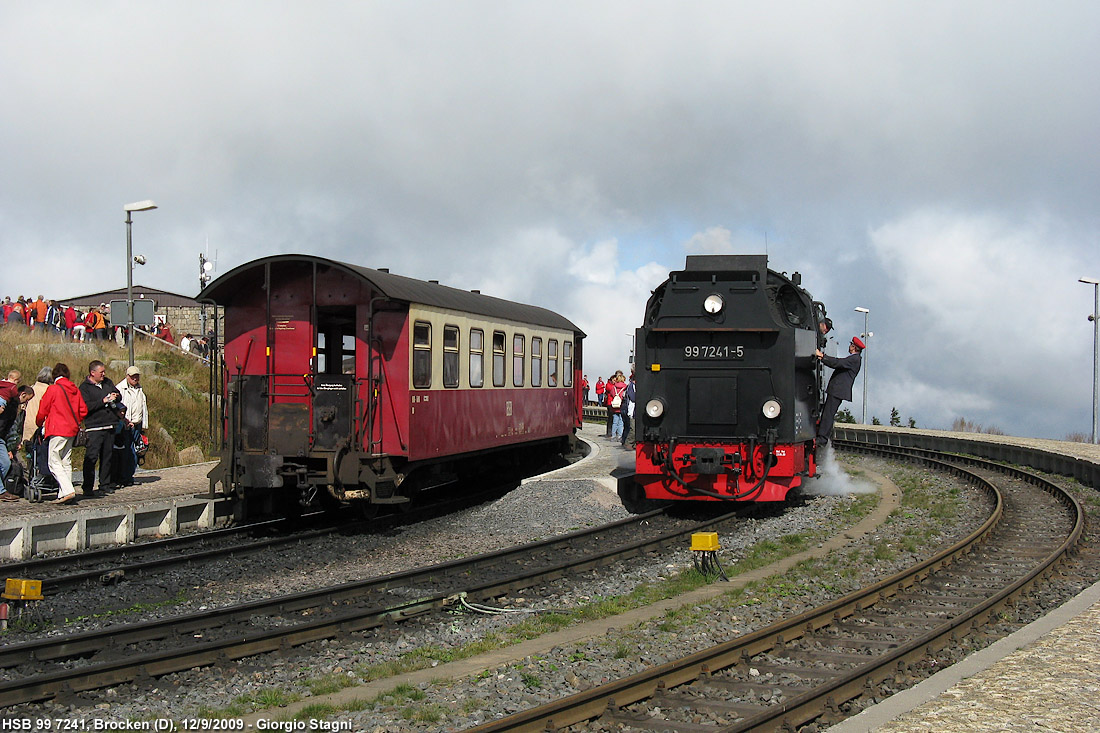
x: 728, y: 387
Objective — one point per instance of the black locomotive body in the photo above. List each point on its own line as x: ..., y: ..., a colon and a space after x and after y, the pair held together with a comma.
x: 729, y: 390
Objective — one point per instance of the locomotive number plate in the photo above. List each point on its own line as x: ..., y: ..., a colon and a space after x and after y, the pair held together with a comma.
x: 714, y: 352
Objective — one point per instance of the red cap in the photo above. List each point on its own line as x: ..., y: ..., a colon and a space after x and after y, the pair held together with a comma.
x: 857, y: 342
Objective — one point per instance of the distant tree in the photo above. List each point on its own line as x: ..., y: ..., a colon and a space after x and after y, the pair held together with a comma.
x: 1078, y: 438
x: 845, y: 416
x: 962, y: 425
x: 875, y: 420
x: 912, y: 423
x: 895, y: 418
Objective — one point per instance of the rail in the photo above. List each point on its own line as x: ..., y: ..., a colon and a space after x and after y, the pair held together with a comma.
x: 607, y: 700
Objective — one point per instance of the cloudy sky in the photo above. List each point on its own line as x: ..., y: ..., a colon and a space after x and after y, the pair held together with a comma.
x: 935, y: 162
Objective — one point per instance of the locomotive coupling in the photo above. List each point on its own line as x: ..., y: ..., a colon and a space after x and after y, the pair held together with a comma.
x: 712, y: 461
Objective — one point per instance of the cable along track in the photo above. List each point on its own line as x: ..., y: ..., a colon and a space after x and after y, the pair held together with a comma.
x: 44, y: 668
x: 803, y: 670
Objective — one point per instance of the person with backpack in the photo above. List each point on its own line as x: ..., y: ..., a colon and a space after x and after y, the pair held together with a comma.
x: 614, y: 392
x: 134, y: 423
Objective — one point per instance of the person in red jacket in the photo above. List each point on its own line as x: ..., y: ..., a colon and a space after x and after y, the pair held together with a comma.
x: 70, y: 320
x: 615, y: 389
x: 599, y: 390
x: 59, y: 415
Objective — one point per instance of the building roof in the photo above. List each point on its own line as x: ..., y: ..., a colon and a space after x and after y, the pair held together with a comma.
x: 163, y: 298
x: 398, y: 287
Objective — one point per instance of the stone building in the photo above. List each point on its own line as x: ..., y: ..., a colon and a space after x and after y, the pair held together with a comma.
x: 184, y: 314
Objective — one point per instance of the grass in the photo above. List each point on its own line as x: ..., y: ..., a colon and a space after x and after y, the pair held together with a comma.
x: 176, y: 392
x: 180, y: 597
x: 403, y: 697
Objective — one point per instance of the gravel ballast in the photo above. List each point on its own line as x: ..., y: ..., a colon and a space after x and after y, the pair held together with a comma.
x: 561, y: 503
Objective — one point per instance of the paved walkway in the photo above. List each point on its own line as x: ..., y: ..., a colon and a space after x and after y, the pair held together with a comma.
x: 154, y: 485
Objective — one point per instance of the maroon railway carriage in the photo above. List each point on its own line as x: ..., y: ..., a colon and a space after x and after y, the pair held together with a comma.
x: 345, y: 383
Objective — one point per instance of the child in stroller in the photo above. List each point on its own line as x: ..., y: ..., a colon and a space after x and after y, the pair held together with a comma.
x: 41, y: 481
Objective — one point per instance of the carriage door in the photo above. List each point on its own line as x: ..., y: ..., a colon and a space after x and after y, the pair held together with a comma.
x: 334, y: 385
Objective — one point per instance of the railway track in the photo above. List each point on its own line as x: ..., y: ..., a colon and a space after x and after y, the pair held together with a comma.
x: 806, y: 669
x: 45, y: 668
x: 112, y: 564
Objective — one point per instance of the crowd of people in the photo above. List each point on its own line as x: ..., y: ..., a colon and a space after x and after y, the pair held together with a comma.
x: 617, y: 395
x: 65, y: 319
x: 40, y: 424
x: 94, y: 323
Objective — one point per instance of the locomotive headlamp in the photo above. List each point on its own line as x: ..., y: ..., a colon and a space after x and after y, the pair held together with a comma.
x: 771, y: 409
x: 655, y: 408
x: 713, y: 304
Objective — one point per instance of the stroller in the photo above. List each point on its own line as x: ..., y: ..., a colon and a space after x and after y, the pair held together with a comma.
x: 41, y: 481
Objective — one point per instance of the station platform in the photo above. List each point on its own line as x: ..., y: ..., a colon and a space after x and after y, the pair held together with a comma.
x: 161, y: 502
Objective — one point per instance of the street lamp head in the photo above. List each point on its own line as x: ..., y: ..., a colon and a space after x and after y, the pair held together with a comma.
x: 140, y: 206
x: 1089, y: 280
x: 862, y: 310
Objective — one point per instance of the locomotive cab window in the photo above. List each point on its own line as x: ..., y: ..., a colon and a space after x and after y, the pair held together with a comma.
x: 422, y: 354
x: 567, y: 363
x: 517, y: 360
x: 552, y: 363
x: 477, y: 357
x: 793, y: 307
x: 536, y: 361
x: 450, y: 356
x: 498, y: 358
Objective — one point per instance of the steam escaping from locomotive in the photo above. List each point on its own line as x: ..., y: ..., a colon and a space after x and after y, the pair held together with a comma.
x: 832, y: 480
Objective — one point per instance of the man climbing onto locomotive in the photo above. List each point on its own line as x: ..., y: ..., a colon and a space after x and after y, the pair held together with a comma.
x: 840, y: 385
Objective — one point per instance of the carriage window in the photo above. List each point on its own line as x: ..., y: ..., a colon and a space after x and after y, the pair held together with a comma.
x: 567, y: 363
x: 450, y: 356
x: 517, y: 360
x: 422, y: 354
x: 552, y: 363
x: 536, y: 361
x: 477, y: 357
x: 498, y: 358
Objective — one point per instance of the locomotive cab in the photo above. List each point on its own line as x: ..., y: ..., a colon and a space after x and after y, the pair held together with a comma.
x: 728, y: 384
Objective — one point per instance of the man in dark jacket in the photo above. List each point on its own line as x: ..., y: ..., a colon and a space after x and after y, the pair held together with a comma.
x: 102, y: 398
x: 11, y: 429
x: 840, y: 385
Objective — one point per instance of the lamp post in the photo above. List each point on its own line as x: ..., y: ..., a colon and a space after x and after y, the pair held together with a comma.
x: 205, y: 266
x: 866, y: 334
x: 130, y: 208
x: 1095, y: 318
